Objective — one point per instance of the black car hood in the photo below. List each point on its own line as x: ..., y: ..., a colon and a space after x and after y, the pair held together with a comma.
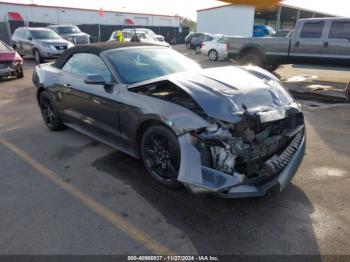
x: 228, y: 93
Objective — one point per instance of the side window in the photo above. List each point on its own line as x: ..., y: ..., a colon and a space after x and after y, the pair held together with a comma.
x: 83, y: 64
x: 27, y: 35
x: 222, y: 40
x: 22, y: 34
x: 340, y: 30
x: 19, y: 33
x: 312, y: 30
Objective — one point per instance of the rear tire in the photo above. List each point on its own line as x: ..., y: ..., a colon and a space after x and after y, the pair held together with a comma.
x: 160, y: 153
x: 49, y: 112
x: 272, y: 68
x: 252, y: 58
x: 213, y: 55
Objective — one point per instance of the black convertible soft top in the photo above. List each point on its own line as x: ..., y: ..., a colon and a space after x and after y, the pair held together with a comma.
x: 96, y: 49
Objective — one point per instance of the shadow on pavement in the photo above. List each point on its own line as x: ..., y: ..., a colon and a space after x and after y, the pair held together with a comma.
x: 323, y: 67
x: 275, y: 224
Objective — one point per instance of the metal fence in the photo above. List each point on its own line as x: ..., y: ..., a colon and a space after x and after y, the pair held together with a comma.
x: 173, y: 35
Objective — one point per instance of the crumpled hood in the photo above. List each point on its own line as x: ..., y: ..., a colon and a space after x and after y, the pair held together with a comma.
x: 225, y: 92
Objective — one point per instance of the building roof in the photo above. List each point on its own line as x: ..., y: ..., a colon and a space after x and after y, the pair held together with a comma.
x: 96, y: 49
x: 85, y: 9
x: 282, y: 4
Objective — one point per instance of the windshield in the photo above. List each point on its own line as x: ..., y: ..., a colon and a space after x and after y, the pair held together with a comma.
x: 140, y: 64
x: 127, y: 34
x: 67, y: 30
x: 44, y: 34
x: 4, y: 47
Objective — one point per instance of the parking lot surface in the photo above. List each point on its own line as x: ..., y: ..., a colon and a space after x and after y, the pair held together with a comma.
x: 64, y: 193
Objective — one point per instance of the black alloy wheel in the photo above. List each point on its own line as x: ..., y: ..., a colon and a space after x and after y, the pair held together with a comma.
x: 160, y: 153
x: 49, y: 112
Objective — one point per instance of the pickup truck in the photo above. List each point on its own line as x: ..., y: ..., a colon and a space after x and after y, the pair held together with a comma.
x: 314, y: 41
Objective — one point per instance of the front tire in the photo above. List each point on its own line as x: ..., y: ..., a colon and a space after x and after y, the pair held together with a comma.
x: 49, y: 112
x: 37, y: 56
x: 160, y: 153
x: 19, y: 73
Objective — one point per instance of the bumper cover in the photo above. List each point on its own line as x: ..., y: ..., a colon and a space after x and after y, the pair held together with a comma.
x: 8, y: 71
x: 201, y: 179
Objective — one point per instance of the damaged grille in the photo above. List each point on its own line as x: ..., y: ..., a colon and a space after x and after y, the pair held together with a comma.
x: 250, y: 149
x: 278, y: 162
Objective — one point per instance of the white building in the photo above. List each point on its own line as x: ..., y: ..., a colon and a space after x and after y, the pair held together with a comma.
x: 238, y: 20
x: 228, y: 20
x: 13, y: 15
x: 68, y: 15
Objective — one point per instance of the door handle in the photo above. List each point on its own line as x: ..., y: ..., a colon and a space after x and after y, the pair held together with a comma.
x: 297, y: 44
x: 67, y: 85
x: 325, y: 44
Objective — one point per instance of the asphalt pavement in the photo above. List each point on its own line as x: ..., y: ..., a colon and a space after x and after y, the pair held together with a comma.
x: 64, y: 193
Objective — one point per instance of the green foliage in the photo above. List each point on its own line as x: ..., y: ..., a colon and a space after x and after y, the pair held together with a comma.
x: 187, y: 22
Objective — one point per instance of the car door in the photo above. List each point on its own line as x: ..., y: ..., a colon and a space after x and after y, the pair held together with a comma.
x: 19, y: 39
x: 307, y: 43
x: 337, y: 42
x: 26, y: 42
x: 88, y: 106
x: 222, y: 46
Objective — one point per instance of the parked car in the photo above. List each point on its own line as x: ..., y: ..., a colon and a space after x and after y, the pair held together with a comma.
x: 143, y: 36
x: 42, y: 43
x: 215, y: 49
x: 189, y: 38
x: 263, y: 31
x: 72, y: 34
x: 196, y: 42
x: 10, y: 62
x: 231, y: 131
x: 146, y: 31
x: 314, y: 41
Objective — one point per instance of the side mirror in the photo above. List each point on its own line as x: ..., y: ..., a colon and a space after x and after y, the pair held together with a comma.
x: 30, y: 38
x: 93, y: 79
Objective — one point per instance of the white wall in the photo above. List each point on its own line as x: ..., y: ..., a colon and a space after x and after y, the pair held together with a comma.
x: 58, y: 15
x: 228, y: 20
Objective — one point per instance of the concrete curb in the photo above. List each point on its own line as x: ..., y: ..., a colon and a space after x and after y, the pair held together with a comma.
x: 318, y: 97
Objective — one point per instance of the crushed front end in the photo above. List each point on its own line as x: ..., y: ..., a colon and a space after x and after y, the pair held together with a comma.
x: 244, y: 159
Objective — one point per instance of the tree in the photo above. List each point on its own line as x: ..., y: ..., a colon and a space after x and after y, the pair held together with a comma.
x: 187, y: 22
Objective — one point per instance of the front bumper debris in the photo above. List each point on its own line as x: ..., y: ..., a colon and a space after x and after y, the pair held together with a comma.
x: 201, y: 179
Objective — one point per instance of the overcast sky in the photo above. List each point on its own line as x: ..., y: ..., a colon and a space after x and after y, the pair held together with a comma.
x: 186, y: 7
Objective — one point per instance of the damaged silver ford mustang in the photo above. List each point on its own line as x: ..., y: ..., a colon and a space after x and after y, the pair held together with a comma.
x: 231, y: 131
